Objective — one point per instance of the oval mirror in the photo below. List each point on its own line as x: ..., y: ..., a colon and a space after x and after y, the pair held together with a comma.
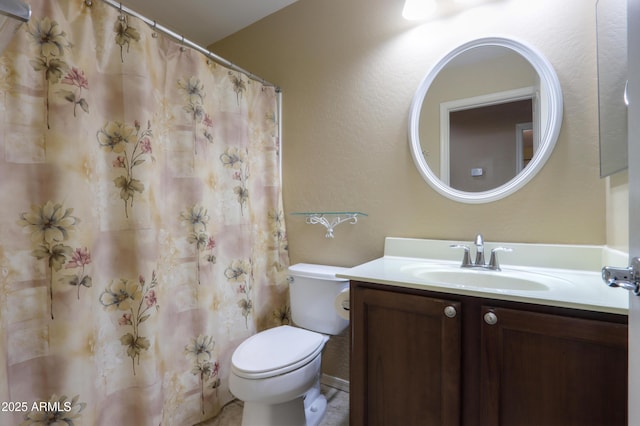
x: 485, y: 119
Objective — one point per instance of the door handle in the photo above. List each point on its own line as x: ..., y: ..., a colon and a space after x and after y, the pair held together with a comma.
x: 626, y: 278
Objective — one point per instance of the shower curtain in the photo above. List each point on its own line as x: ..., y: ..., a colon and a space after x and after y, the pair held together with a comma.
x: 141, y: 227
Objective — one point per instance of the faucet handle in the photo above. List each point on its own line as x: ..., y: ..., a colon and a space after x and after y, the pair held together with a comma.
x: 466, y: 259
x: 493, y: 262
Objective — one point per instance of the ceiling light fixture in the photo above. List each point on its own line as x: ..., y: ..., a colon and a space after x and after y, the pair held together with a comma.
x: 424, y: 9
x: 419, y: 9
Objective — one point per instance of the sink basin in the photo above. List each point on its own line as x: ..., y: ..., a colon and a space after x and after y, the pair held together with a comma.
x: 505, y: 280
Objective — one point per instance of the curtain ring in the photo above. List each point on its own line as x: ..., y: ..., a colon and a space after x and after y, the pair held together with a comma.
x: 89, y: 3
x: 182, y: 48
x: 154, y: 34
x: 121, y: 17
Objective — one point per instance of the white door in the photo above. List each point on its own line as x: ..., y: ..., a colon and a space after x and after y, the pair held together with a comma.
x: 633, y: 46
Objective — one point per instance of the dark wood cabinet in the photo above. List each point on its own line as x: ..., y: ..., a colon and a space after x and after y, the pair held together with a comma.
x: 543, y: 369
x: 407, y: 361
x: 426, y: 358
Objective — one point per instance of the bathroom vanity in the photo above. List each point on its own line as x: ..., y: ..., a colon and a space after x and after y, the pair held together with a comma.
x: 426, y: 351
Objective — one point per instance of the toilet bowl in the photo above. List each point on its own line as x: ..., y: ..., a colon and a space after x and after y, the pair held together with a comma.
x: 277, y: 372
x: 273, y: 371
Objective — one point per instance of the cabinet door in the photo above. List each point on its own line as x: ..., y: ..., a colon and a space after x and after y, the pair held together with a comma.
x: 405, y: 365
x: 541, y: 369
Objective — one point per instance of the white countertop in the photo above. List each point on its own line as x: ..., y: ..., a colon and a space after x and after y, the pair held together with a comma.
x: 579, y: 284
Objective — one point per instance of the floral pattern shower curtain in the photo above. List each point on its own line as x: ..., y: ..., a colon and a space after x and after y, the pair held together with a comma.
x: 141, y: 227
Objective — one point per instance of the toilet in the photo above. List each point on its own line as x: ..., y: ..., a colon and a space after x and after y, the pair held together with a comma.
x: 277, y: 372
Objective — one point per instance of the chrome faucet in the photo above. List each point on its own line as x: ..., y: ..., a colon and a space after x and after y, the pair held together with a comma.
x: 479, y: 262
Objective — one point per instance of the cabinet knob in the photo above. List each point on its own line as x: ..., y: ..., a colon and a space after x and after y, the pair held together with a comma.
x: 450, y: 312
x: 490, y: 318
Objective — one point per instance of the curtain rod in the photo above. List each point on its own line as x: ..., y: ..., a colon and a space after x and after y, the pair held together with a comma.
x: 118, y: 5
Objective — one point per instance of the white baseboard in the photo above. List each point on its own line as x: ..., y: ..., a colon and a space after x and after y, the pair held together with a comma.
x: 335, y: 382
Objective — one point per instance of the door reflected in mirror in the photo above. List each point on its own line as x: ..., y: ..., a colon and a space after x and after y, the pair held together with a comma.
x: 489, y: 145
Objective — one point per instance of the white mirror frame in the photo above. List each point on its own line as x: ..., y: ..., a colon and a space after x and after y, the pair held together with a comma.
x: 548, y: 136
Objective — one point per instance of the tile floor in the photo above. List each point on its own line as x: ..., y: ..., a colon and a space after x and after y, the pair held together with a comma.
x: 337, y: 410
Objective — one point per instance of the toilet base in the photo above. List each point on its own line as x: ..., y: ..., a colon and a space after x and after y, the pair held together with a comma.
x: 290, y: 413
x: 307, y: 410
x: 315, y: 405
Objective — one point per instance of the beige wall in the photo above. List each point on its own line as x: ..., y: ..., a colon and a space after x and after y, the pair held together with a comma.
x: 618, y: 212
x: 348, y: 70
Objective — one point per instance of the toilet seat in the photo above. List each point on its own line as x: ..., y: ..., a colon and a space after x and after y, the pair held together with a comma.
x: 276, y: 351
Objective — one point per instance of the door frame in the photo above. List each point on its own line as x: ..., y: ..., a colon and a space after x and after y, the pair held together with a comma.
x: 633, y: 125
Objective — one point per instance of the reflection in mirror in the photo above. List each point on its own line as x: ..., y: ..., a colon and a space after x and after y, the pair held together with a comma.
x: 485, y: 119
x: 487, y: 145
x: 481, y: 108
x: 611, y: 27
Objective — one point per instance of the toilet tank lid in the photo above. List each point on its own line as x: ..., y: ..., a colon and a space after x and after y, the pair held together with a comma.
x: 324, y: 272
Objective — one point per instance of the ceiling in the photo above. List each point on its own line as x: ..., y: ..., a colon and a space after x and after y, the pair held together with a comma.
x: 205, y: 21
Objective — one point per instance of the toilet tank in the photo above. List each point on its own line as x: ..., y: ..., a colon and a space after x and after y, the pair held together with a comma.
x: 317, y: 297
